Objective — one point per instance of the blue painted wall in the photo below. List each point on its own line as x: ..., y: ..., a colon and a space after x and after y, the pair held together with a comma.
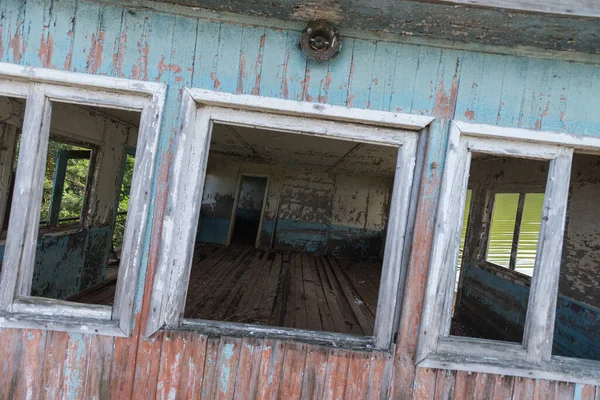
x: 182, y: 50
x: 495, y: 307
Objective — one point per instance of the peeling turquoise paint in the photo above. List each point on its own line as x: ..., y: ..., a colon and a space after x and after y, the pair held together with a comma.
x: 226, y: 371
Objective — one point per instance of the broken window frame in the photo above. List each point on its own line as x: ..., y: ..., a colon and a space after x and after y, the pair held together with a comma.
x: 41, y: 87
x: 200, y: 109
x: 533, y: 357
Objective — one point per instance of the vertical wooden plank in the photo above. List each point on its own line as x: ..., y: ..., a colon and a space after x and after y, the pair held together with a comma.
x: 357, y: 382
x: 382, y: 80
x: 192, y: 372
x: 471, y: 83
x: 28, y: 375
x: 10, y: 355
x: 380, y: 376
x: 536, y: 92
x: 137, y: 373
x: 99, y: 365
x: 35, y: 32
x: 207, y: 47
x: 425, y: 87
x: 228, y: 58
x: 338, y: 75
x: 513, y: 91
x: 294, y: 69
x: 273, y: 60
x: 425, y: 380
x: 544, y: 389
x: 133, y: 45
x: 313, y: 381
x: 55, y: 355
x: 492, y: 80
x: 407, y: 63
x: 336, y: 374
x: 584, y: 392
x: 523, y: 388
x: 251, y: 53
x: 227, y: 367
x: 555, y: 104
x: 293, y: 366
x: 12, y: 19
x: 564, y: 390
x: 249, y: 368
x: 271, y: 364
x: 464, y: 385
x: 361, y: 73
x: 503, y: 387
x: 108, y: 56
x: 316, y: 81
x: 444, y: 385
x: 578, y: 93
x: 87, y: 42
x: 76, y: 366
x: 171, y: 365
x: 59, y: 43
x: 484, y: 385
x: 210, y: 368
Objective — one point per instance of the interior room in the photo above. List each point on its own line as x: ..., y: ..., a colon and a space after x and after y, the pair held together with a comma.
x: 292, y: 231
x: 89, y: 167
x: 500, y: 234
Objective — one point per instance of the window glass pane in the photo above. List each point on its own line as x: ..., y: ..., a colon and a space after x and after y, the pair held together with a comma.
x: 503, y: 228
x: 292, y: 231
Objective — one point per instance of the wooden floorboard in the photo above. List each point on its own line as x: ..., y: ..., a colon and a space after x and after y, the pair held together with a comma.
x: 277, y: 288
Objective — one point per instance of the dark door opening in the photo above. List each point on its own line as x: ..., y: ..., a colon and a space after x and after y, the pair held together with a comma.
x: 248, y: 210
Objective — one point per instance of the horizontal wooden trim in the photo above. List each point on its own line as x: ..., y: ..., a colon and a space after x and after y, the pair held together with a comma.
x: 510, y: 148
x: 314, y: 127
x: 60, y: 308
x: 63, y: 324
x: 311, y: 110
x: 338, y: 340
x: 558, y: 368
x: 467, y: 346
x: 46, y: 75
x: 577, y: 142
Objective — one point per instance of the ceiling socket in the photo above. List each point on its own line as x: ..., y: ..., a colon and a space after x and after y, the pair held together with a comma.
x: 320, y: 40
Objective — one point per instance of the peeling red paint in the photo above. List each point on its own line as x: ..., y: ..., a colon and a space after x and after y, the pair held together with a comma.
x: 17, y: 45
x: 46, y: 51
x: 284, y: 87
x: 140, y: 70
x: 350, y: 96
x: 213, y: 76
x: 445, y: 103
x: 470, y: 114
x: 94, y: 60
x: 305, y: 86
x: 119, y: 56
x: 242, y: 73
x: 325, y: 98
x: 258, y: 67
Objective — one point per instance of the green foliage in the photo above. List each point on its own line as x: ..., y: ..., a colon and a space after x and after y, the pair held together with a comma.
x: 123, y: 201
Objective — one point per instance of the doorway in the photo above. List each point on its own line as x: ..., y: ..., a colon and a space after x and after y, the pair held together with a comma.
x: 248, y: 210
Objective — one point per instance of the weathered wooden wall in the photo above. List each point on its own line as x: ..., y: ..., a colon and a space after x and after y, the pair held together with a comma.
x: 182, y: 50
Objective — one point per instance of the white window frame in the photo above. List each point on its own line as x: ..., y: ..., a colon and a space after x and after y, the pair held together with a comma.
x: 40, y: 87
x: 200, y: 109
x: 533, y: 357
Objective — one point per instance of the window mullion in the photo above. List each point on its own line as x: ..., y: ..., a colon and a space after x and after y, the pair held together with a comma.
x: 517, y: 232
x: 539, y: 324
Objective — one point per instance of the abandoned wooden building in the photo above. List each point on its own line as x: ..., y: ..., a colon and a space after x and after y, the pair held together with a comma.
x: 392, y: 200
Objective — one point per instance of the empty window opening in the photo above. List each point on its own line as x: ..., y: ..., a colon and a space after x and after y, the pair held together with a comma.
x: 577, y: 323
x: 502, y: 219
x: 79, y: 198
x: 248, y: 210
x: 306, y: 245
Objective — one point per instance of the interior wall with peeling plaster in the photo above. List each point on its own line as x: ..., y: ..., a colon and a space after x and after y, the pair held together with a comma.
x: 326, y: 213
